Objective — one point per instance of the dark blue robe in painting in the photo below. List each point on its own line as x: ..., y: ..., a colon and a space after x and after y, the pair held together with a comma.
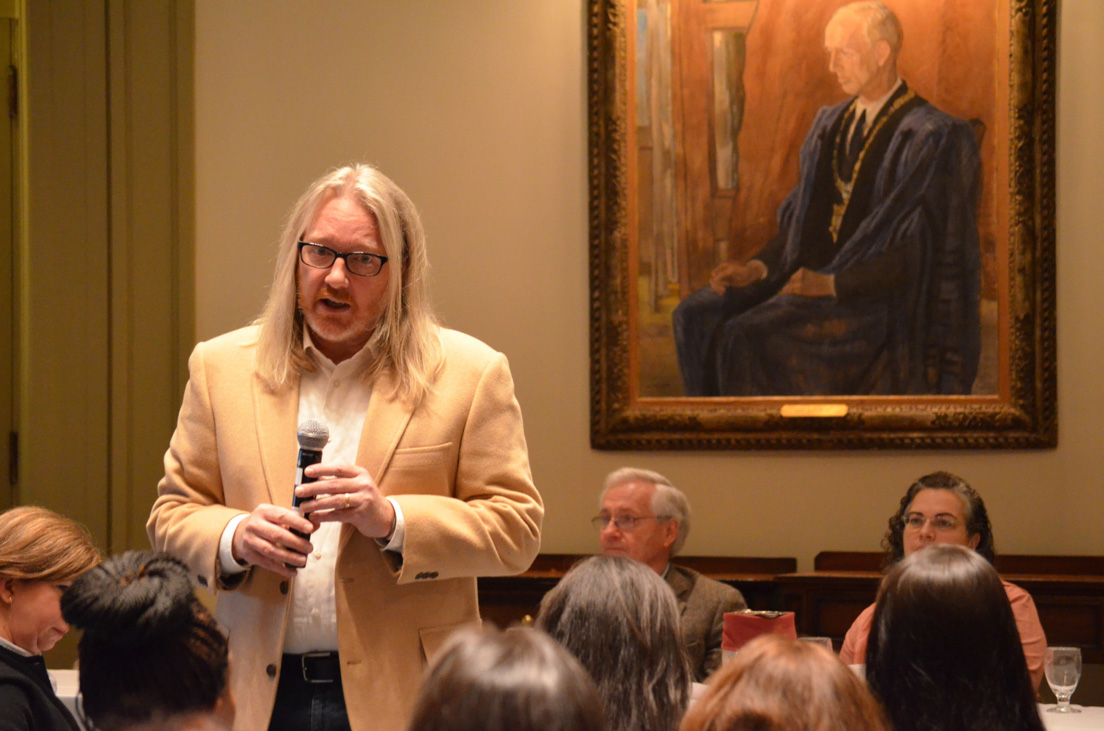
x: 906, y: 260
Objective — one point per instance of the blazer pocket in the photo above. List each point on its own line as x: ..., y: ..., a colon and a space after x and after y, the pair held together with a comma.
x: 419, y: 471
x: 433, y: 638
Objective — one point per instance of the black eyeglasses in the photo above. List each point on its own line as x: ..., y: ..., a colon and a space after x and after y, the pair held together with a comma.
x: 360, y: 263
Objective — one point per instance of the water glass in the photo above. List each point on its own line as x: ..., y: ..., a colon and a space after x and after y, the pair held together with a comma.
x: 1063, y: 672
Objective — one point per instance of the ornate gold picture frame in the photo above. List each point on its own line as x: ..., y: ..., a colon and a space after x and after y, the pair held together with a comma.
x: 700, y: 112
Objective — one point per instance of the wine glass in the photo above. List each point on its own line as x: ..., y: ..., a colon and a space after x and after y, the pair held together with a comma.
x: 1063, y: 671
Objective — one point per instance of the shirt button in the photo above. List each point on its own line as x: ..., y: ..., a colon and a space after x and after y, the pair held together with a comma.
x: 318, y: 554
x: 283, y: 587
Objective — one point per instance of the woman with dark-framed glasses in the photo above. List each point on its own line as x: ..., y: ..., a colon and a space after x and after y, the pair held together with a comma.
x: 942, y: 509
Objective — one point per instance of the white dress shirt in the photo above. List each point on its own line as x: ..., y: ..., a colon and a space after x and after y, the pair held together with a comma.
x: 338, y: 396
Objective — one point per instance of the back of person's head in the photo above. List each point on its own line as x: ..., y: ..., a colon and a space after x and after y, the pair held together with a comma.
x: 151, y: 654
x: 621, y: 620
x: 944, y: 650
x: 37, y: 544
x: 779, y: 684
x: 517, y: 680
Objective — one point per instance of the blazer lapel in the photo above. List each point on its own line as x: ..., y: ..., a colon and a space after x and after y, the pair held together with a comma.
x: 276, y: 435
x: 681, y: 586
x: 384, y: 425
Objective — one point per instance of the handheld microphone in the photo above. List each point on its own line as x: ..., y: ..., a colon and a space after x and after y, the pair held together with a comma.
x: 313, y: 436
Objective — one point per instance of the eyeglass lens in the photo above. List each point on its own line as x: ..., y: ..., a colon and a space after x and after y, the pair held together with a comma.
x: 360, y: 263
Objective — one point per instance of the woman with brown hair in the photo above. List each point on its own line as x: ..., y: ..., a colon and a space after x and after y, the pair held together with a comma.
x: 945, y: 651
x: 517, y: 680
x: 41, y: 554
x: 779, y: 684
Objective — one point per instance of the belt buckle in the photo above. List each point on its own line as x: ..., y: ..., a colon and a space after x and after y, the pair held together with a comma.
x: 303, y: 663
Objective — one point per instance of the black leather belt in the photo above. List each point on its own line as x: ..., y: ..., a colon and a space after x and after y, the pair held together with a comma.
x: 316, y: 667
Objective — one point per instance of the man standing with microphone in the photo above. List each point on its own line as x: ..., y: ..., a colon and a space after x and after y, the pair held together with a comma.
x: 423, y: 485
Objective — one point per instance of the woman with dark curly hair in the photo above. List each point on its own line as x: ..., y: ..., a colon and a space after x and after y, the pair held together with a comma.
x: 942, y: 508
x: 621, y: 621
x: 945, y: 651
x: 41, y: 552
x: 152, y: 656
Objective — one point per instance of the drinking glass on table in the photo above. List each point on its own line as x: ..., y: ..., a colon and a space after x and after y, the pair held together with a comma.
x: 825, y: 642
x: 1063, y: 671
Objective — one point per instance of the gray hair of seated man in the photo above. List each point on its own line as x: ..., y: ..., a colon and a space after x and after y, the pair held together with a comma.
x: 517, y: 680
x: 621, y: 620
x: 668, y: 500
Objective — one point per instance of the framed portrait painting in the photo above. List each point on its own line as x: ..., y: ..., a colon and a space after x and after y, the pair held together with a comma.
x: 822, y: 224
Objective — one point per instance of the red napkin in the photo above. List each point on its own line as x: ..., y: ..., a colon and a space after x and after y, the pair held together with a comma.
x: 743, y: 627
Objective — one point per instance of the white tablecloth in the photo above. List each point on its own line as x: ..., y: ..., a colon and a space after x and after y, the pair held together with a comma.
x: 66, y: 686
x: 1089, y: 717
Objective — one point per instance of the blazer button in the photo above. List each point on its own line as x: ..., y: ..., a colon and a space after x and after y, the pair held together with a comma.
x: 271, y: 670
x: 283, y: 587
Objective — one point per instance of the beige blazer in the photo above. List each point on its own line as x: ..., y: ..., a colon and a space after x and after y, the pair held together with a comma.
x: 456, y: 463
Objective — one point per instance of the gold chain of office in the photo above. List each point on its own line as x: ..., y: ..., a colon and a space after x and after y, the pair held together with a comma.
x: 844, y: 188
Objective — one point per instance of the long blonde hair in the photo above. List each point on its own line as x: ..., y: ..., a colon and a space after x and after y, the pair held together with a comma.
x: 406, y: 341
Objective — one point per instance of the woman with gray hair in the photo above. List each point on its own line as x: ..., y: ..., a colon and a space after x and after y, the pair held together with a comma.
x: 620, y: 620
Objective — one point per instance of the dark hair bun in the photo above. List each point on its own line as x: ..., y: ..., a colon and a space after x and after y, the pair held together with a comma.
x: 136, y: 598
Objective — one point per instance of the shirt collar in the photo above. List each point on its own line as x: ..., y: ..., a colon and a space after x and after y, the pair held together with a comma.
x: 14, y: 648
x: 327, y: 366
x: 872, y: 108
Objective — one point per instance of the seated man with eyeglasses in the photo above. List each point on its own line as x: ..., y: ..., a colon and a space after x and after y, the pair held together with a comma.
x: 942, y: 508
x: 646, y: 518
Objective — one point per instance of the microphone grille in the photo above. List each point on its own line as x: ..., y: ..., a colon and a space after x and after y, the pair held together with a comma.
x: 313, y: 434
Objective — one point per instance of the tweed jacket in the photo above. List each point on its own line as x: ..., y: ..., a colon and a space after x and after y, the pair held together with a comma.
x: 702, y: 606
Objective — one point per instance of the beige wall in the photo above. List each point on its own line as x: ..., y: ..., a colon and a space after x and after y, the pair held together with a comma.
x: 478, y: 109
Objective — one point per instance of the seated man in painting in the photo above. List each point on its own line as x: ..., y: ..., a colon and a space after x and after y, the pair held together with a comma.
x: 871, y: 284
x: 644, y: 517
